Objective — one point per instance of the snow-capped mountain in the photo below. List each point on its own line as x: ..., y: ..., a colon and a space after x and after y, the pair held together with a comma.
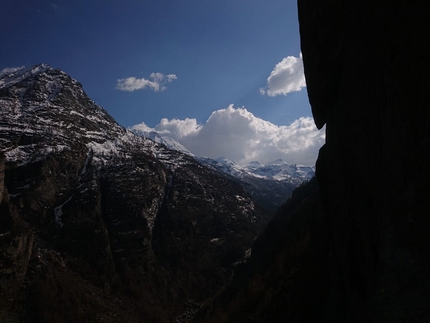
x: 167, y: 141
x: 43, y: 104
x: 279, y: 170
x: 270, y: 184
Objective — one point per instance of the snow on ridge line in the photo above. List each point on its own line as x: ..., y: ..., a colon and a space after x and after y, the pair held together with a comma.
x: 13, y: 77
x: 169, y: 142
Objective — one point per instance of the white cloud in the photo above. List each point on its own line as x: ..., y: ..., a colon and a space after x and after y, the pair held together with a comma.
x: 178, y: 129
x: 156, y: 82
x: 287, y: 76
x: 237, y: 134
x: 8, y: 70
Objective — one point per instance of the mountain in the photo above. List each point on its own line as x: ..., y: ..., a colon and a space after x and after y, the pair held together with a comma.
x: 98, y: 224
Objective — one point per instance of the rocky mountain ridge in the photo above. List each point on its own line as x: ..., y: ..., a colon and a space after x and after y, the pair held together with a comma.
x: 95, y: 219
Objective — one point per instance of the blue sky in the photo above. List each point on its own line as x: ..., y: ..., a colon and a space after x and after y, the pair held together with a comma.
x: 217, y: 53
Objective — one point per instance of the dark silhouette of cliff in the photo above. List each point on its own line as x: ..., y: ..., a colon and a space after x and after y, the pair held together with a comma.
x: 367, y: 67
x: 355, y: 247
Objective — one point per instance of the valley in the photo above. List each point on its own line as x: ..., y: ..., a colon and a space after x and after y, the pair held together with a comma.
x: 102, y: 224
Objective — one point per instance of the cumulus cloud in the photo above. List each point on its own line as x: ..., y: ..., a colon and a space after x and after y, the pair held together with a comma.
x: 237, y: 134
x: 156, y: 82
x: 8, y: 70
x: 287, y: 76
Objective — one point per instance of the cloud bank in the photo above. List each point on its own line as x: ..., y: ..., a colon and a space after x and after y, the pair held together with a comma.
x: 287, y: 76
x: 155, y: 83
x: 235, y: 133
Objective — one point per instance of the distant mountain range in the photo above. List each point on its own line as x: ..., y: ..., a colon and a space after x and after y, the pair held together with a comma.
x: 277, y: 170
x: 270, y: 184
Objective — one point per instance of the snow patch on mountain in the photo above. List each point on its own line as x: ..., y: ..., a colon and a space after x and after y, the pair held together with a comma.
x: 164, y: 140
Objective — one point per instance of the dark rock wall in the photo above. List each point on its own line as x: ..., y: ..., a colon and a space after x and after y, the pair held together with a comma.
x: 367, y: 67
x: 358, y: 250
x: 2, y: 161
x: 16, y: 249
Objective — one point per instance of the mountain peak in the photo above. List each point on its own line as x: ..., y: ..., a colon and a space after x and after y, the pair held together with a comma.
x: 156, y: 137
x: 43, y: 104
x: 43, y: 73
x: 225, y: 161
x: 278, y: 161
x: 24, y: 71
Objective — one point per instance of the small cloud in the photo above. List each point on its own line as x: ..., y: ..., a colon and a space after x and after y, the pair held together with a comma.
x: 8, y: 70
x: 237, y: 134
x: 54, y: 6
x: 287, y: 76
x: 156, y: 82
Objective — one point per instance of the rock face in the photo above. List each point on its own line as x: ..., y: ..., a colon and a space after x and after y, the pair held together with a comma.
x: 367, y: 68
x: 2, y: 161
x: 98, y: 224
x: 355, y: 247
